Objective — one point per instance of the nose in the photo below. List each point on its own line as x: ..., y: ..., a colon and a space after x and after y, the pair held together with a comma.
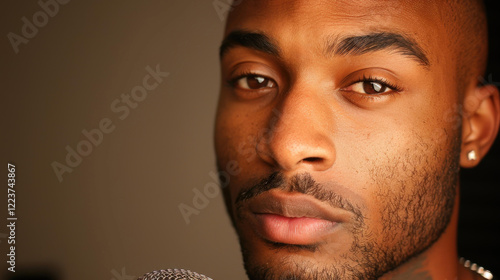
x: 300, y: 134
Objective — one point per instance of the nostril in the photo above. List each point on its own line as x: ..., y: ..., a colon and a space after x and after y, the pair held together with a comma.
x: 313, y: 159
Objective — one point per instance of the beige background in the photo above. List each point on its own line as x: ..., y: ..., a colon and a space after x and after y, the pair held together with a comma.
x: 119, y: 208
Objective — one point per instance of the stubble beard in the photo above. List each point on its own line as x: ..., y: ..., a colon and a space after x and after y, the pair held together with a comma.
x: 406, y: 216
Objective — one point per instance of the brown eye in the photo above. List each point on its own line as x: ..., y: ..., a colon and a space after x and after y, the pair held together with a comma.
x: 374, y: 88
x: 371, y: 87
x: 254, y: 82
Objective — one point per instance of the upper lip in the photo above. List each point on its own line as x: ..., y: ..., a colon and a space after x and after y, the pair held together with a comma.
x: 296, y: 205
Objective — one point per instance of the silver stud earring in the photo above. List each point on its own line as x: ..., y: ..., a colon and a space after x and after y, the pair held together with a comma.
x: 472, y: 155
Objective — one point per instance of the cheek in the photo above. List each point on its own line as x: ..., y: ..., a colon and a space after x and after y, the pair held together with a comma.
x: 235, y: 138
x: 375, y: 164
x: 227, y: 137
x: 228, y: 129
x: 408, y: 172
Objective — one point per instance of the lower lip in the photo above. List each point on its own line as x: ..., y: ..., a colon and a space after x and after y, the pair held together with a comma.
x: 297, y: 231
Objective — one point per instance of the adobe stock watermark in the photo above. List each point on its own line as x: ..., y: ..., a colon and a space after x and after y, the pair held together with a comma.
x: 221, y: 179
x: 457, y: 112
x: 223, y: 7
x: 49, y: 9
x: 211, y: 190
x: 489, y: 81
x: 121, y: 107
x: 121, y: 276
x: 248, y: 150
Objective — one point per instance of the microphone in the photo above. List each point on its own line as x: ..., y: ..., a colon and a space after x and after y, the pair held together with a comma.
x: 174, y: 274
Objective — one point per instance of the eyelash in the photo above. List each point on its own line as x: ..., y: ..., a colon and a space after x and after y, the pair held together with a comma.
x: 367, y: 79
x: 381, y: 81
x: 232, y: 82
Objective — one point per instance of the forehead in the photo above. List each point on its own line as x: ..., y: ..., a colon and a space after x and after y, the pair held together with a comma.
x: 311, y: 23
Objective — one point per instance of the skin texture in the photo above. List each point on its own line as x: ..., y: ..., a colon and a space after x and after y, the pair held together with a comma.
x: 295, y: 118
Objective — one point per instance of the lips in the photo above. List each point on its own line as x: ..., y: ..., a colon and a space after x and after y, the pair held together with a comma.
x: 293, y: 218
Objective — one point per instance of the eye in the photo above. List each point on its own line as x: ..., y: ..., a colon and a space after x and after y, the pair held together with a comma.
x: 372, y: 86
x: 253, y: 82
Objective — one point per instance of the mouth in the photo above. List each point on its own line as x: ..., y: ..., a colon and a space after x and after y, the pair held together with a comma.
x: 293, y: 218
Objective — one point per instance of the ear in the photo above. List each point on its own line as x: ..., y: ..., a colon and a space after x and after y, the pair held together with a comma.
x: 481, y: 120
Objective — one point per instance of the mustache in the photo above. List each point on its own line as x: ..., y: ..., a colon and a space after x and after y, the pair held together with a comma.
x: 302, y: 183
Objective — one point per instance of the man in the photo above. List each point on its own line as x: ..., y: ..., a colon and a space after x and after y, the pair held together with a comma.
x: 348, y: 122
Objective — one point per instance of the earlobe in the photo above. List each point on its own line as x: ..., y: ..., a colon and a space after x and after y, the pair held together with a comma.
x: 481, y: 120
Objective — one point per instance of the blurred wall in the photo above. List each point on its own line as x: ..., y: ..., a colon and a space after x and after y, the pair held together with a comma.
x: 116, y: 214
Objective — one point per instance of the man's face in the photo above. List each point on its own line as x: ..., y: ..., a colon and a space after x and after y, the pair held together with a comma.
x: 338, y: 116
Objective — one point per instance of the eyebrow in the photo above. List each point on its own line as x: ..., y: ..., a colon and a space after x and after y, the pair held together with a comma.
x: 358, y: 45
x: 252, y: 40
x: 350, y: 45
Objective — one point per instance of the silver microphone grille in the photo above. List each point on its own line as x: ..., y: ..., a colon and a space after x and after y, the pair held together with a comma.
x: 174, y: 274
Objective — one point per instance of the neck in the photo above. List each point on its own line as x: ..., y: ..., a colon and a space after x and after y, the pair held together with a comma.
x: 439, y: 261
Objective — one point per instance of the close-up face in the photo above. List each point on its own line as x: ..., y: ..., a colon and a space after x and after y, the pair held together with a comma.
x: 340, y: 116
